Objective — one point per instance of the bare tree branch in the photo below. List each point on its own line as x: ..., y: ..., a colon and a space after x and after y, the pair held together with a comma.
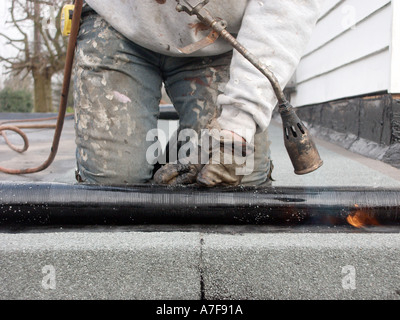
x: 42, y: 54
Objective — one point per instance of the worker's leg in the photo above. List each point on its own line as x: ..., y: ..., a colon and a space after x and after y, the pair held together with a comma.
x: 117, y: 91
x: 193, y: 86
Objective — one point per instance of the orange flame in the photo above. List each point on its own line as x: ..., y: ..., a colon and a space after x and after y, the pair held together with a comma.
x: 360, y: 219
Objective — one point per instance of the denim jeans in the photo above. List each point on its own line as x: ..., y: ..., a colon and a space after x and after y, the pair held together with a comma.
x: 117, y: 91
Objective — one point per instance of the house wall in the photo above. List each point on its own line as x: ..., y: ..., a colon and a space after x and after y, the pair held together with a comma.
x: 351, y: 52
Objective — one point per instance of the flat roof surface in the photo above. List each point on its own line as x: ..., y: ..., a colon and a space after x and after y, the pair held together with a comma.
x: 341, y: 168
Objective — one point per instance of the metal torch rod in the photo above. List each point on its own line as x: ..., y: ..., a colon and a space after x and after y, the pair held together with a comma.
x: 219, y: 26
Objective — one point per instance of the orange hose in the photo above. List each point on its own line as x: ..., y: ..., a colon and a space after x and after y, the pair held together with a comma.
x: 64, y: 98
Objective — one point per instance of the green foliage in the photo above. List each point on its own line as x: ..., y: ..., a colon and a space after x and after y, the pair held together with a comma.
x: 70, y: 110
x: 15, y: 100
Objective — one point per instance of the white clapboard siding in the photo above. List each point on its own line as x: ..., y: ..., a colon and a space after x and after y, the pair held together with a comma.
x: 395, y: 49
x: 351, y: 52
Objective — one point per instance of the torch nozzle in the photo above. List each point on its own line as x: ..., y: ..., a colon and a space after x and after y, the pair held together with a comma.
x: 298, y: 142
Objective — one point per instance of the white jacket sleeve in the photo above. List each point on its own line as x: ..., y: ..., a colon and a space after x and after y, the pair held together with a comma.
x: 277, y: 32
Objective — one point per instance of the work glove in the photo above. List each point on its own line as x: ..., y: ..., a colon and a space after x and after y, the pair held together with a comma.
x: 229, y: 169
x: 224, y: 168
x: 184, y: 172
x: 177, y: 174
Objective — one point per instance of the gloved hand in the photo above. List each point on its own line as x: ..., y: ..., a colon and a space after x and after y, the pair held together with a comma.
x: 226, y: 173
x: 185, y: 171
x: 176, y: 174
x: 216, y: 173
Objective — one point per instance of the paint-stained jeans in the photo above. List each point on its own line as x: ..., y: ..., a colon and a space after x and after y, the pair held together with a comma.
x: 117, y: 91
